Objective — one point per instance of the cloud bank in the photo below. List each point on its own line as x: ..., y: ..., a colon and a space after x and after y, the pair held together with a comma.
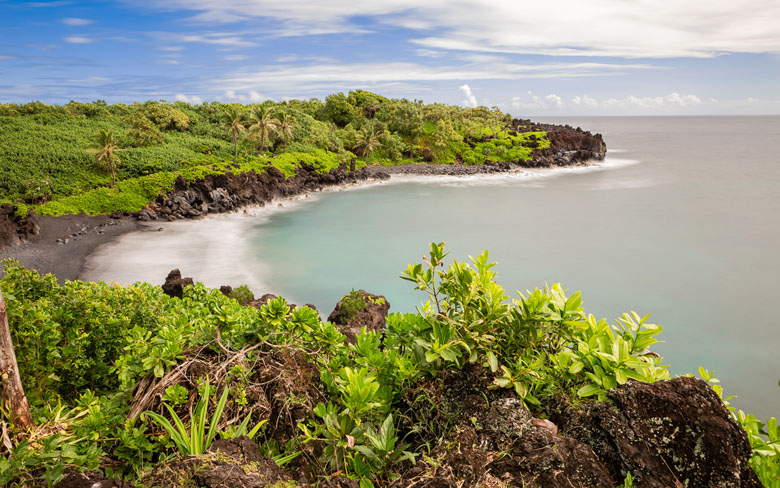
x: 616, y: 28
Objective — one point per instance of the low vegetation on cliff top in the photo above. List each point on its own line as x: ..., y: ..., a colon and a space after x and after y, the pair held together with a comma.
x: 98, y: 158
x: 128, y: 380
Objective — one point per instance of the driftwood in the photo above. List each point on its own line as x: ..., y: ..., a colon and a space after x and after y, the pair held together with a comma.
x: 11, y: 390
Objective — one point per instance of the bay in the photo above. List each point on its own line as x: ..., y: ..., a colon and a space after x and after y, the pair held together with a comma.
x: 681, y: 221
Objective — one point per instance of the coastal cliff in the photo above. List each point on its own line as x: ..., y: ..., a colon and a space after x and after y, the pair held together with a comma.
x: 217, y: 193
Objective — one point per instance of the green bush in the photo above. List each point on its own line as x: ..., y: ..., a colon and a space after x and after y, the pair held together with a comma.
x: 351, y: 304
x: 242, y: 295
x: 86, y: 345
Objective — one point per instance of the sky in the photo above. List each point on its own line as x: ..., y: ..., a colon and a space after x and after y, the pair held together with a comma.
x: 551, y: 57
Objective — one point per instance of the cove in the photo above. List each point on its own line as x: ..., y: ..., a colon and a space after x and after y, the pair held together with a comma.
x: 681, y: 222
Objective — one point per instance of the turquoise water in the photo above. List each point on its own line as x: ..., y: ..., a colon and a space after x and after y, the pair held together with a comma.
x: 684, y: 224
x: 682, y: 221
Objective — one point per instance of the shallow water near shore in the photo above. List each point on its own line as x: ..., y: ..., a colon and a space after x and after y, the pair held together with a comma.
x: 681, y: 221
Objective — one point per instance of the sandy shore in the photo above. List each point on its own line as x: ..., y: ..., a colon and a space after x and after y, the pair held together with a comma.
x: 63, y: 244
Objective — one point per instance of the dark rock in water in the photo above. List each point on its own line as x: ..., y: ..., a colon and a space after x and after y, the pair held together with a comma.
x: 234, y: 463
x: 174, y: 284
x: 90, y: 479
x: 663, y: 433
x: 360, y: 309
x: 226, y: 290
x: 14, y: 229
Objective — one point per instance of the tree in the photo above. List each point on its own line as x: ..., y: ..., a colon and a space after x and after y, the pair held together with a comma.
x: 233, y: 119
x: 143, y: 131
x: 367, y: 142
x: 11, y: 390
x: 285, y: 127
x: 264, y: 123
x: 105, y: 148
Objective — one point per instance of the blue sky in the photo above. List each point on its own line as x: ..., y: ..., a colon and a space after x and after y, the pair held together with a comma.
x: 552, y: 57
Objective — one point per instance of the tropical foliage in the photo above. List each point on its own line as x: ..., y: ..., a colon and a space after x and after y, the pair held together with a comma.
x: 88, y: 347
x: 50, y: 153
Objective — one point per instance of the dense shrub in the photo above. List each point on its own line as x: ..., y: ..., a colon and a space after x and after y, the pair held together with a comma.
x: 87, y: 344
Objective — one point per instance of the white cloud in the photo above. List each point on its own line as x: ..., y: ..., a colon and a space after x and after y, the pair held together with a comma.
x: 194, y: 99
x: 60, y: 3
x: 584, y: 101
x: 534, y: 102
x: 470, y: 100
x: 236, y: 57
x: 752, y: 100
x: 630, y: 103
x: 251, y: 97
x: 329, y: 75
x: 430, y: 53
x: 217, y: 38
x: 78, y: 40
x: 75, y: 21
x: 554, y: 100
x: 636, y: 29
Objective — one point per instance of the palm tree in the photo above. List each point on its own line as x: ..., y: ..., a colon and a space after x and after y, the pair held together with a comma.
x: 264, y: 123
x: 285, y: 127
x: 368, y: 140
x: 233, y: 119
x: 105, y: 148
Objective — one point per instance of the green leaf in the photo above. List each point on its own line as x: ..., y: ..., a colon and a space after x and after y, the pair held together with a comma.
x: 492, y: 361
x: 620, y: 375
x: 589, y: 390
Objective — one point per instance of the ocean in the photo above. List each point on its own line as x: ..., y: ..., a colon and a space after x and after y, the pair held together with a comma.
x: 682, y: 221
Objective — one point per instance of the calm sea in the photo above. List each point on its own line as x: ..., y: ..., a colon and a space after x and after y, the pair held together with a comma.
x: 682, y: 221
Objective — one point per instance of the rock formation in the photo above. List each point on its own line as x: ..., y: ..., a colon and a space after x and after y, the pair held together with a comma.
x: 174, y: 284
x: 364, y: 310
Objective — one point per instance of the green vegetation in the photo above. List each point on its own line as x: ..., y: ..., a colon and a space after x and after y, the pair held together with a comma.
x: 351, y: 304
x: 97, y: 158
x: 86, y: 346
x: 242, y: 294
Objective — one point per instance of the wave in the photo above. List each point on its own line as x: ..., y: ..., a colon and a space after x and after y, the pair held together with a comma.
x: 524, y: 177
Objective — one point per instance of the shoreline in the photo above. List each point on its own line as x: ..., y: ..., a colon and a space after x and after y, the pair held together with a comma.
x: 64, y: 244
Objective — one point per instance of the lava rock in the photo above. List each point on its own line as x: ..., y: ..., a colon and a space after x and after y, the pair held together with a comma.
x: 174, y: 284
x: 371, y: 314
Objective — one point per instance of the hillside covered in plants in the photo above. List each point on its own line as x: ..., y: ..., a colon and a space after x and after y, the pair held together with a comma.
x: 188, y: 386
x: 95, y: 158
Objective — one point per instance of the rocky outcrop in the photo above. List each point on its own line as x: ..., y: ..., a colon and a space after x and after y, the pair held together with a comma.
x: 670, y: 433
x: 174, y: 284
x: 90, y: 479
x: 227, y: 192
x: 568, y: 145
x: 14, y: 229
x: 360, y: 309
x: 234, y: 463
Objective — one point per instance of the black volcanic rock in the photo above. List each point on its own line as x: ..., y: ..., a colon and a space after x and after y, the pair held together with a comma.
x: 371, y: 315
x: 174, y: 284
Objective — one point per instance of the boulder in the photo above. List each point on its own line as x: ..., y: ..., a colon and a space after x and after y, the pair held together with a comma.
x: 174, y: 284
x: 233, y: 463
x: 14, y: 229
x: 495, y: 441
x: 360, y: 309
x: 670, y: 433
x: 90, y: 479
